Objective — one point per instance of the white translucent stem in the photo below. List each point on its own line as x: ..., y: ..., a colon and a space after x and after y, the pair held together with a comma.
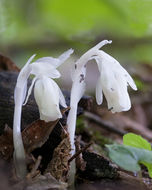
x: 19, y: 153
x: 71, y: 121
x: 71, y: 180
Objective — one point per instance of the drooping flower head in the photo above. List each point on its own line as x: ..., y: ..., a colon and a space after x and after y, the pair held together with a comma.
x: 113, y: 83
x: 46, y: 92
x: 113, y: 80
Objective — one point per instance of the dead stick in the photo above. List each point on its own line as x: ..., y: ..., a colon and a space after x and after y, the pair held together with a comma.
x: 35, y: 167
x: 80, y: 151
x: 103, y: 123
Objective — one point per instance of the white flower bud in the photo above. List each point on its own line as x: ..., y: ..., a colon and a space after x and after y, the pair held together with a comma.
x: 46, y: 93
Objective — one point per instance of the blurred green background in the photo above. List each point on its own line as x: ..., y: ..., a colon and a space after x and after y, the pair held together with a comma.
x: 49, y: 27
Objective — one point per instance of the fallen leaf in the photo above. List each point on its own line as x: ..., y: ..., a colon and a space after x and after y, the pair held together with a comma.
x: 36, y: 134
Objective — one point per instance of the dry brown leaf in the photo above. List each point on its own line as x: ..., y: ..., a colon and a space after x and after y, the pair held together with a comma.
x: 6, y: 143
x: 59, y: 165
x: 6, y: 64
x: 36, y: 134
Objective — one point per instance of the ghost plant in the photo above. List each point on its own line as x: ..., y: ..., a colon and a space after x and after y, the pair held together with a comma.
x: 47, y: 95
x: 113, y: 82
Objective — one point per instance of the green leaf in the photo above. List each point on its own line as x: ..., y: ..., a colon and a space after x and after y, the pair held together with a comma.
x: 128, y: 157
x: 123, y: 158
x: 136, y: 141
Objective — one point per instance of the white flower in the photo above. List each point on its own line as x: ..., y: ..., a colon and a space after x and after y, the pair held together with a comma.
x: 113, y: 82
x: 46, y: 92
x: 47, y: 95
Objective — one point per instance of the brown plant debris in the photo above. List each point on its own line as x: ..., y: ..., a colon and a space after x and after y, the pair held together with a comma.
x: 34, y: 172
x: 6, y: 64
x: 59, y: 165
x: 6, y: 143
x: 41, y: 182
x: 36, y: 134
x: 80, y: 163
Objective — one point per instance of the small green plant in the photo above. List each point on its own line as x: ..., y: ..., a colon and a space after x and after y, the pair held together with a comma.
x: 134, y: 151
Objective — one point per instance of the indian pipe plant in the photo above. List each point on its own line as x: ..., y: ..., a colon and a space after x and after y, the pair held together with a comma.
x: 112, y: 82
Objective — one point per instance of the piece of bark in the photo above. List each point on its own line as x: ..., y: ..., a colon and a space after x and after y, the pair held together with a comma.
x: 30, y: 111
x: 97, y: 167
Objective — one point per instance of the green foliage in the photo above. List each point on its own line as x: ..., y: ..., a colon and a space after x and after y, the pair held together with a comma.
x: 75, y: 18
x: 135, y: 151
x: 131, y: 139
x: 76, y: 22
x: 129, y: 157
x: 137, y: 141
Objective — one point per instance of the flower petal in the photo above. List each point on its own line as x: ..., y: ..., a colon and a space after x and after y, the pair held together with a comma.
x: 55, y: 62
x: 49, y: 60
x: 62, y: 99
x: 63, y: 57
x: 22, y: 78
x: 30, y: 90
x: 99, y: 95
x: 61, y: 96
x: 44, y: 68
x: 114, y: 82
x: 129, y: 79
x: 47, y: 98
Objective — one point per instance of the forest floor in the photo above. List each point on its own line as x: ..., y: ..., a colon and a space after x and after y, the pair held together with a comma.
x: 47, y: 144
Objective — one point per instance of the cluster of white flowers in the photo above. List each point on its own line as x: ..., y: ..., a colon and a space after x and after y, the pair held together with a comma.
x: 113, y: 83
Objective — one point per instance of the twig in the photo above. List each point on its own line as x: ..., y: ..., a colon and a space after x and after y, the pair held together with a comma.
x: 35, y: 167
x: 104, y: 124
x: 80, y: 151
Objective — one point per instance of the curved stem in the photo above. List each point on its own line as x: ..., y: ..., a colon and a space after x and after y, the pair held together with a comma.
x: 19, y: 153
x: 71, y: 122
